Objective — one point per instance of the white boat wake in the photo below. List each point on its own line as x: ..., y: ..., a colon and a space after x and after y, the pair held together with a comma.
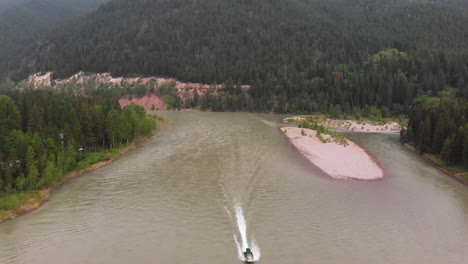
x: 241, y: 238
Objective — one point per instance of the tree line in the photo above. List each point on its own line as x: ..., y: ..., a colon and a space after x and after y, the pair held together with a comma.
x: 380, y: 85
x: 44, y: 135
x: 389, y: 80
x: 438, y: 126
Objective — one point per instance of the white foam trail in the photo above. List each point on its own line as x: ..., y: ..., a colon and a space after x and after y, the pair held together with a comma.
x: 239, y: 249
x: 255, y: 249
x: 242, y: 225
x: 244, y: 242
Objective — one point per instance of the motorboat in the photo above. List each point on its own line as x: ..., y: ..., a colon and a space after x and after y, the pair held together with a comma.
x: 249, y: 257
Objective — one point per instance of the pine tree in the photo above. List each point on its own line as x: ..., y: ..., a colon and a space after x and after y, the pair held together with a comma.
x: 439, y: 136
x: 10, y: 118
x: 48, y: 176
x: 465, y: 145
x: 32, y: 175
x: 35, y: 120
x: 113, y: 127
x: 21, y: 182
x: 447, y: 149
x: 424, y: 135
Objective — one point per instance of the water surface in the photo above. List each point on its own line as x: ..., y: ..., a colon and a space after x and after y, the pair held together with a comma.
x: 176, y: 199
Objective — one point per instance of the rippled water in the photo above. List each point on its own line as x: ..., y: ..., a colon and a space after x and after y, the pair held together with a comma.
x: 173, y: 200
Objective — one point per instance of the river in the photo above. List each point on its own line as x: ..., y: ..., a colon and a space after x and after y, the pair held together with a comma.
x: 211, y: 179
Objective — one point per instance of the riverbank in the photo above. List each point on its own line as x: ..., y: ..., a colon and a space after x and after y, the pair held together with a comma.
x: 361, y: 126
x: 340, y: 161
x: 27, y: 202
x: 459, y: 175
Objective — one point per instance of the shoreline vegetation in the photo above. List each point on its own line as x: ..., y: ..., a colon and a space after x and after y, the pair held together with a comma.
x: 361, y: 126
x: 48, y: 137
x: 33, y: 200
x: 324, y: 148
x: 438, y: 131
x: 459, y: 173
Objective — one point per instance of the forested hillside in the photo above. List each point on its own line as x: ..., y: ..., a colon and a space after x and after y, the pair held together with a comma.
x: 22, y: 23
x: 298, y: 55
x: 214, y: 40
x: 451, y: 2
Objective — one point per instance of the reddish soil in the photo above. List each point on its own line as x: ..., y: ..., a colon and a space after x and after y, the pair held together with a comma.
x: 147, y: 101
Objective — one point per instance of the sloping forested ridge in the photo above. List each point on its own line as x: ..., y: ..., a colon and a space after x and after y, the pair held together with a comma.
x: 389, y: 80
x: 214, y: 40
x: 45, y: 135
x: 24, y: 23
x: 298, y: 55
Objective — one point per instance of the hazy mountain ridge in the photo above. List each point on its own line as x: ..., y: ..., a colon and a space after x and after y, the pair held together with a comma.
x: 25, y: 22
x: 5, y: 4
x: 210, y: 40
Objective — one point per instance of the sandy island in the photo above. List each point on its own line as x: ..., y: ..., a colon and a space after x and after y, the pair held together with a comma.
x: 355, y: 126
x: 338, y: 161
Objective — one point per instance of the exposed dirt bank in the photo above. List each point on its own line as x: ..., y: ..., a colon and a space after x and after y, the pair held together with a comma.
x: 148, y: 102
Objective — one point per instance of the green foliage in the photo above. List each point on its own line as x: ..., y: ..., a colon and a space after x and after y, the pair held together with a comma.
x: 140, y: 90
x: 167, y: 88
x: 377, y: 53
x: 9, y: 202
x: 114, y: 127
x: 313, y: 124
x: 169, y: 94
x: 7, y: 85
x: 381, y: 56
x: 10, y: 119
x: 457, y: 168
x: 438, y: 126
x: 386, y: 56
x: 42, y: 131
x: 170, y: 101
x: 91, y: 158
x: 16, y: 200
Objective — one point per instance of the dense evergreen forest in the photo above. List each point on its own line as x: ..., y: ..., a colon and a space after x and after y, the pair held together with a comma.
x: 44, y: 135
x: 298, y: 55
x: 438, y: 126
x: 216, y: 40
x: 389, y: 80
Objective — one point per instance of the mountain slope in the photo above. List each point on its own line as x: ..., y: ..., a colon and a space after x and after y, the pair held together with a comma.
x: 214, y: 40
x: 25, y: 22
x: 5, y: 4
x: 296, y: 55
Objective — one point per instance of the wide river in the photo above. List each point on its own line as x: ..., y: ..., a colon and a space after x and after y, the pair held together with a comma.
x: 214, y: 182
